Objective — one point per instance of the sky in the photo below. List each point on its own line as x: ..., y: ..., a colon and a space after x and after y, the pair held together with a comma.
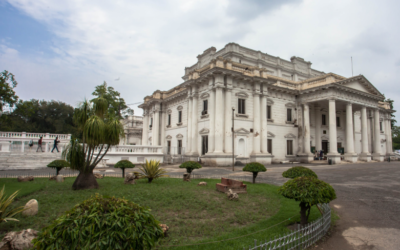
x: 61, y: 50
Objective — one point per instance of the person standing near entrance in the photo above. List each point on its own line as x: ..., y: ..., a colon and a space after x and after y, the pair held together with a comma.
x: 321, y: 155
x: 39, y: 144
x: 56, y: 141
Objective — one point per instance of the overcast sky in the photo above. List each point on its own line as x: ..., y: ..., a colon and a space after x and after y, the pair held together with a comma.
x: 61, y: 49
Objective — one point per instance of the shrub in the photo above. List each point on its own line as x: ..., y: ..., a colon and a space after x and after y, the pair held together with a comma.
x: 124, y: 164
x: 102, y: 223
x: 151, y: 170
x: 190, y: 166
x: 299, y: 171
x: 7, y: 214
x: 58, y: 165
x: 254, y: 167
x: 309, y: 191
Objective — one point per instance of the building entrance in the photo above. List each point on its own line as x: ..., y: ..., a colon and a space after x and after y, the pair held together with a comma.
x: 325, y: 145
x: 204, y: 145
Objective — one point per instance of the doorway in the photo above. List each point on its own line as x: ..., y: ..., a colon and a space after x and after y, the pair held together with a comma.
x: 325, y: 146
x: 204, y: 145
x: 241, y: 148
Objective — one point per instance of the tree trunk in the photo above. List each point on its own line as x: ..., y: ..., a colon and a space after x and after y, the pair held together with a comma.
x: 58, y: 170
x: 254, y: 177
x: 123, y: 172
x: 85, y: 181
x: 150, y: 180
x: 303, y: 213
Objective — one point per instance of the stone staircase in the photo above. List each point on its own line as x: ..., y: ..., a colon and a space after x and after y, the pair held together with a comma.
x: 26, y: 161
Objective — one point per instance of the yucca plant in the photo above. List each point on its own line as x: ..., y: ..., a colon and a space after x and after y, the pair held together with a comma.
x: 7, y: 214
x: 151, y: 170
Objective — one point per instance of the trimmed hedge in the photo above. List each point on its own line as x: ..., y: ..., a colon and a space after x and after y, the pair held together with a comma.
x: 58, y: 165
x: 124, y: 164
x: 299, y: 171
x: 190, y: 166
x: 254, y: 167
x: 102, y: 223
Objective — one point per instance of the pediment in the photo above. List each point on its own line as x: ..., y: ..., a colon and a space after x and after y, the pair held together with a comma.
x: 290, y: 105
x: 179, y: 107
x: 271, y: 134
x: 204, y: 95
x: 169, y: 111
x: 204, y: 131
x: 290, y: 136
x: 242, y: 131
x: 242, y: 94
x: 362, y: 84
x: 324, y: 137
x: 168, y: 137
x: 270, y: 101
x: 179, y: 136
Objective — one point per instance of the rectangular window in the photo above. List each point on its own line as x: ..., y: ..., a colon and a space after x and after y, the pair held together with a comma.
x: 204, y: 145
x: 337, y: 121
x: 268, y: 112
x: 289, y: 146
x: 270, y: 146
x: 241, y: 106
x: 180, y: 117
x: 151, y: 122
x: 289, y: 115
x: 205, y: 107
x: 169, y: 147
x: 380, y: 126
x: 323, y: 119
x: 169, y: 119
x: 179, y: 147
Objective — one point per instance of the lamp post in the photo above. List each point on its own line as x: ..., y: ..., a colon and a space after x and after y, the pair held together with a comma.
x: 233, y: 141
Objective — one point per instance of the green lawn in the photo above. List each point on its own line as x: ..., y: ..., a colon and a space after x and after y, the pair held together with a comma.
x: 195, y: 214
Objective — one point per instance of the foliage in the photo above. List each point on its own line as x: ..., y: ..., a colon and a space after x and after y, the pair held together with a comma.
x: 299, y: 171
x: 124, y: 164
x: 102, y: 223
x: 58, y: 164
x: 396, y: 137
x: 392, y: 120
x: 151, y: 170
x: 40, y: 116
x: 309, y: 191
x: 254, y: 167
x: 7, y: 93
x: 190, y: 166
x: 118, y: 106
x: 6, y: 213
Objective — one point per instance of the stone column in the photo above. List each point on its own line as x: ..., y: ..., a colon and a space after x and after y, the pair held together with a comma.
x: 333, y: 153
x: 350, y: 154
x: 145, y: 127
x: 195, y: 133
x: 264, y: 125
x: 211, y: 111
x: 256, y: 123
x: 388, y: 133
x: 365, y: 155
x: 228, y: 120
x: 156, y: 125
x: 318, y: 123
x: 189, y: 125
x: 162, y: 127
x: 377, y: 155
x: 307, y: 136
x: 219, y: 120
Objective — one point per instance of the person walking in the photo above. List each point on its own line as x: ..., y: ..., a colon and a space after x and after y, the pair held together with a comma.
x: 321, y: 155
x: 56, y: 141
x: 39, y: 144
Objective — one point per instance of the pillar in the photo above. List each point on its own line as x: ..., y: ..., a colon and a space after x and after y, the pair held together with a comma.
x: 365, y: 155
x: 388, y: 133
x: 145, y: 127
x: 377, y: 155
x: 189, y: 125
x: 318, y: 123
x: 350, y: 154
x: 162, y: 127
x: 211, y: 110
x: 333, y: 153
x: 307, y: 136
x: 228, y: 120
x: 195, y: 115
x: 156, y: 125
x: 256, y: 123
x: 264, y: 125
x: 219, y: 120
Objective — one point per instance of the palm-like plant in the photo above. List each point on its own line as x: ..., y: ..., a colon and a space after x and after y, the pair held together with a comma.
x: 101, y: 130
x: 7, y: 214
x: 151, y: 170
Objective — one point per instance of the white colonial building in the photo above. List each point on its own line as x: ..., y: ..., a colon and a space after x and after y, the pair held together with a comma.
x: 283, y: 110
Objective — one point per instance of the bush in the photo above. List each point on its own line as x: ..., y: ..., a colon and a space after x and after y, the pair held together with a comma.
x: 58, y: 165
x: 309, y: 191
x: 299, y: 171
x: 124, y: 164
x: 190, y: 166
x: 151, y: 170
x: 254, y: 167
x: 102, y: 223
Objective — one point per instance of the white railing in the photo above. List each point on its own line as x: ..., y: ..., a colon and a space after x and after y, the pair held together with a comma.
x: 133, y: 149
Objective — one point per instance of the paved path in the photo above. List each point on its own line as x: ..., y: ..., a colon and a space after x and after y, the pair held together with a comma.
x: 368, y: 200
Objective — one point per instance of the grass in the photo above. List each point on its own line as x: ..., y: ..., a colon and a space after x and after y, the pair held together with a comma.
x: 195, y: 214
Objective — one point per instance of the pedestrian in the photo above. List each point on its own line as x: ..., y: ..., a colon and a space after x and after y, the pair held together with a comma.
x: 56, y: 141
x: 316, y: 155
x: 30, y: 145
x: 39, y: 144
x: 321, y: 155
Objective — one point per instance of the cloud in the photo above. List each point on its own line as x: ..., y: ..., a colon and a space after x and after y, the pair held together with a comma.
x: 149, y: 43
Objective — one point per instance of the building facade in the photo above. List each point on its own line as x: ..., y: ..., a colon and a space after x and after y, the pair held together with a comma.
x: 133, y: 126
x: 280, y: 110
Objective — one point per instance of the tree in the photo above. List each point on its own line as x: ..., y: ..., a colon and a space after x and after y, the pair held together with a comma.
x: 190, y: 166
x: 100, y: 131
x: 117, y: 104
x: 7, y: 93
x: 309, y: 191
x: 58, y: 165
x: 299, y: 171
x: 254, y: 167
x: 124, y: 164
x: 392, y: 120
x: 396, y: 137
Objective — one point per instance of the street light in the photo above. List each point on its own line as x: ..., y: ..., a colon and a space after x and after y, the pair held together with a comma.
x: 233, y: 140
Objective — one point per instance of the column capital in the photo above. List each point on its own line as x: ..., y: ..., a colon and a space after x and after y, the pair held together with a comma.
x: 349, y: 103
x: 332, y: 99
